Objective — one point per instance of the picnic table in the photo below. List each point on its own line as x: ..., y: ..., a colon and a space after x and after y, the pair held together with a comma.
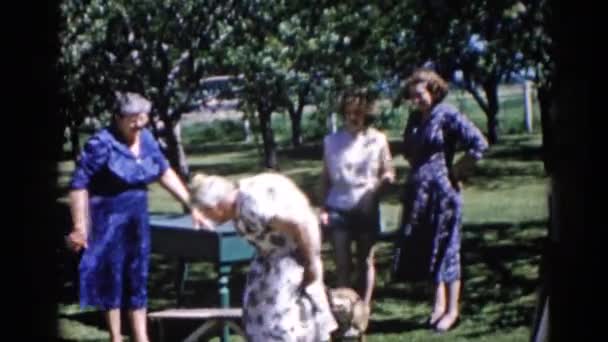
x: 174, y: 235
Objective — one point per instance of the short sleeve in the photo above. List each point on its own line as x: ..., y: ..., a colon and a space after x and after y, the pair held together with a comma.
x: 331, y: 159
x: 269, y: 196
x: 254, y: 214
x: 465, y: 132
x: 93, y: 157
x: 156, y: 153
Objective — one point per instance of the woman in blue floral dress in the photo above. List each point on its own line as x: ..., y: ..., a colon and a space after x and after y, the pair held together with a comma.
x: 432, y: 200
x: 109, y: 205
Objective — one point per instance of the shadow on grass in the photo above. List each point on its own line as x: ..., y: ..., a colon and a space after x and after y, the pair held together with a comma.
x: 494, y: 172
x: 395, y: 326
x: 497, y: 274
x: 504, y: 283
x: 303, y: 152
x: 517, y: 152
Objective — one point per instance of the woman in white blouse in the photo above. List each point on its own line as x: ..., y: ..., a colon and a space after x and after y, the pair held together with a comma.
x: 357, y: 163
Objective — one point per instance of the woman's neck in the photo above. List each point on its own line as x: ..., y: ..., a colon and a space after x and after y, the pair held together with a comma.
x: 129, y: 137
x: 425, y: 114
x: 132, y: 139
x: 125, y: 135
x: 354, y: 131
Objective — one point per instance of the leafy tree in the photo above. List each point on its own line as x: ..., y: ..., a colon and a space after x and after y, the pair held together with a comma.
x: 485, y: 40
x: 161, y: 49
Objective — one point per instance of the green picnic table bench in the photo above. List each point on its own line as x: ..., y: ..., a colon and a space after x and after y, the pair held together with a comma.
x: 173, y: 235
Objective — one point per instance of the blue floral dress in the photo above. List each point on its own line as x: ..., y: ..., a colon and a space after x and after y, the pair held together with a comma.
x: 114, y: 268
x: 432, y: 203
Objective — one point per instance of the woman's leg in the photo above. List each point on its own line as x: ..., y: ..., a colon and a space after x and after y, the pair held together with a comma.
x: 342, y: 255
x: 439, y: 305
x: 451, y: 315
x: 113, y: 321
x: 139, y: 325
x: 366, y: 267
x: 449, y: 270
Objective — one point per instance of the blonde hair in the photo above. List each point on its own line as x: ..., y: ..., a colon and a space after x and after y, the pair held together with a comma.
x: 209, y: 190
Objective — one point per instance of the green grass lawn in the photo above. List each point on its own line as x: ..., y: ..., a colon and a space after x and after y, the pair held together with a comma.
x: 505, y: 218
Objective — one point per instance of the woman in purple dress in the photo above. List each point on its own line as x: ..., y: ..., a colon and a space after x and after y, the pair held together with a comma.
x: 432, y: 201
x: 109, y: 205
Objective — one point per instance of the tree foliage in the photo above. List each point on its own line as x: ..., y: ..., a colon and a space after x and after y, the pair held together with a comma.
x: 161, y: 49
x: 291, y: 54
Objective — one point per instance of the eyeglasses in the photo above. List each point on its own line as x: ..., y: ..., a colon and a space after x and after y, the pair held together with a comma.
x: 133, y: 116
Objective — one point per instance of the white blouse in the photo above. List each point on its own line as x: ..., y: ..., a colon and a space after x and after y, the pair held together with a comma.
x: 355, y: 164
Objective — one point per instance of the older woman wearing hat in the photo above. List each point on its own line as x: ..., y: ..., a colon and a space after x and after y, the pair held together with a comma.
x: 109, y: 206
x: 357, y: 164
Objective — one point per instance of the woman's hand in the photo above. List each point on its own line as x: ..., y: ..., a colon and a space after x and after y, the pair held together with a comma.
x: 387, y: 179
x: 308, y: 242
x: 324, y: 218
x: 77, y: 240
x: 460, y: 172
x: 79, y: 207
x: 199, y: 220
x: 464, y: 167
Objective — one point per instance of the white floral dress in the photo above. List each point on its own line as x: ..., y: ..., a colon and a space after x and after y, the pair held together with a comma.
x: 275, y: 307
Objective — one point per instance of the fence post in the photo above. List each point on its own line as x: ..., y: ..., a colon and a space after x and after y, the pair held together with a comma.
x: 332, y: 122
x: 247, y: 129
x: 528, y: 105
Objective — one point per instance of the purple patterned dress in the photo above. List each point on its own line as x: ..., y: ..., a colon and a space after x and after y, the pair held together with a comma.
x: 429, y: 247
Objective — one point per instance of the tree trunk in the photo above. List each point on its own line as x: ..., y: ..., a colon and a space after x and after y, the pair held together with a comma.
x: 296, y: 125
x: 296, y: 116
x: 182, y: 162
x: 175, y: 153
x: 171, y: 134
x: 570, y: 229
x: 491, y: 90
x: 489, y: 105
x: 247, y: 130
x: 544, y: 102
x: 175, y: 149
x: 270, y: 150
x: 528, y: 111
